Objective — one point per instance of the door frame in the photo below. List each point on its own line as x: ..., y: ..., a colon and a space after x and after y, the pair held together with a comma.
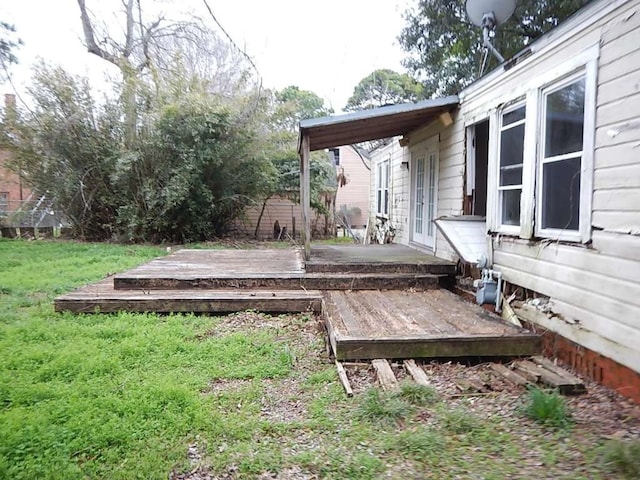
x: 425, y: 149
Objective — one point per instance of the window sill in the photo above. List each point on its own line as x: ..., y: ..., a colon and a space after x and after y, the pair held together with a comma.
x: 559, y: 235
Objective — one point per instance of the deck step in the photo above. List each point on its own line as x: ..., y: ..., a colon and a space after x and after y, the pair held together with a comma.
x: 285, y: 281
x: 102, y: 297
x: 375, y: 259
x: 432, y: 324
x: 381, y: 268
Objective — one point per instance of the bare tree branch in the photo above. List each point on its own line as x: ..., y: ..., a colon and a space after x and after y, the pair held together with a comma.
x: 89, y: 37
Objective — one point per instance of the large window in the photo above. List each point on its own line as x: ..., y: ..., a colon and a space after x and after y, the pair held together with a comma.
x: 560, y: 164
x: 382, y: 189
x: 510, y: 164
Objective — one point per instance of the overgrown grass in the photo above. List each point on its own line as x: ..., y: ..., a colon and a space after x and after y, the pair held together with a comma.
x: 623, y: 457
x: 547, y: 407
x: 125, y: 395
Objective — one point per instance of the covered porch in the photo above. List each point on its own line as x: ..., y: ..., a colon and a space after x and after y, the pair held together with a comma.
x: 366, y: 125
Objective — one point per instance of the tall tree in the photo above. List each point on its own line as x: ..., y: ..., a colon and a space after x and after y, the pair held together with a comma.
x: 135, y: 50
x: 445, y: 48
x: 288, y: 106
x: 8, y: 45
x: 384, y: 87
x: 293, y: 104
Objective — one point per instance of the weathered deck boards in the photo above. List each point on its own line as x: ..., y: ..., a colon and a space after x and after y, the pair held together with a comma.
x: 102, y: 297
x: 390, y: 258
x: 273, y: 269
x: 405, y: 324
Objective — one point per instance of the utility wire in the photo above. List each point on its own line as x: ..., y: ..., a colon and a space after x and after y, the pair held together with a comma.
x: 206, y: 4
x: 245, y: 54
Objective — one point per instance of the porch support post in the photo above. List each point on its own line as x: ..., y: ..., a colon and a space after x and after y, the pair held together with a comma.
x: 305, y: 196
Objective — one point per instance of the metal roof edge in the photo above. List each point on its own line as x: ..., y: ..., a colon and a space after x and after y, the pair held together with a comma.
x: 451, y: 100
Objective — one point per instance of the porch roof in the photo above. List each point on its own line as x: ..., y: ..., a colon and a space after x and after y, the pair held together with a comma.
x: 372, y: 124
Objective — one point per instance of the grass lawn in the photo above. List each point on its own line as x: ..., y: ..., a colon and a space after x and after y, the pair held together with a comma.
x: 127, y: 396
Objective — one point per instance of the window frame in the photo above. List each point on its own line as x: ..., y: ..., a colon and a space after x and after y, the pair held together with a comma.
x: 509, y: 108
x: 583, y: 233
x: 383, y: 206
x: 584, y: 63
x: 4, y: 203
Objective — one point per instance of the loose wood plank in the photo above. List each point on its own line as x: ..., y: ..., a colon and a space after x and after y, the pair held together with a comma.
x: 571, y: 384
x: 509, y: 374
x: 417, y: 373
x: 386, y: 377
x: 528, y: 370
x: 546, y: 376
x: 342, y: 375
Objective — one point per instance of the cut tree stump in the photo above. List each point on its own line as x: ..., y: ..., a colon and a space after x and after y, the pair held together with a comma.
x: 385, y: 375
x: 417, y: 373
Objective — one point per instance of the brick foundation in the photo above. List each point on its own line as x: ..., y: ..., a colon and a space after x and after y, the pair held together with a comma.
x: 581, y: 360
x: 592, y: 365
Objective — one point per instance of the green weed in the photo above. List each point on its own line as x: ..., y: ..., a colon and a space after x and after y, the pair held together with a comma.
x: 547, y: 408
x: 377, y: 406
x: 418, y: 395
x: 623, y: 457
x: 459, y: 421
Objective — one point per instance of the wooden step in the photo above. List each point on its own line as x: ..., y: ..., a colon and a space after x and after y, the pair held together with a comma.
x: 286, y: 281
x: 102, y: 297
x: 430, y: 324
x: 381, y: 268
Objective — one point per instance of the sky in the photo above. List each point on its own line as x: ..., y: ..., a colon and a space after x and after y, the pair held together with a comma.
x: 324, y: 46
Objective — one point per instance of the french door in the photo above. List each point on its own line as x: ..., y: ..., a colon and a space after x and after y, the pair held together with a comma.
x: 424, y: 195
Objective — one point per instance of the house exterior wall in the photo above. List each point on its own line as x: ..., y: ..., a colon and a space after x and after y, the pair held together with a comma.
x: 11, y: 188
x: 398, y: 185
x: 593, y: 281
x: 591, y: 276
x: 354, y: 196
x: 280, y: 209
x: 451, y: 168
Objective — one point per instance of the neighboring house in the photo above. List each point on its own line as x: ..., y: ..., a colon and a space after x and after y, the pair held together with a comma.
x: 12, y: 190
x: 352, y: 198
x: 546, y: 148
x: 277, y: 209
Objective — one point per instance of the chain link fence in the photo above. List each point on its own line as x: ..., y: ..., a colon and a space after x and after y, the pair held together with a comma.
x: 33, y: 213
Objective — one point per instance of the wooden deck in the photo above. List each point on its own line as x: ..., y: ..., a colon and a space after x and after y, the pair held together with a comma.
x: 377, y: 301
x: 102, y: 297
x: 262, y: 269
x: 405, y: 324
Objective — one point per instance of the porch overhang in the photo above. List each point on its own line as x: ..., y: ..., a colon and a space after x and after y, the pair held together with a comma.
x: 356, y: 127
x: 372, y: 124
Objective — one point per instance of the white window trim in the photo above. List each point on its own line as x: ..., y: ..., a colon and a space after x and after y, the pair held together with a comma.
x: 583, y: 234
x: 502, y: 228
x: 382, y: 186
x: 587, y: 62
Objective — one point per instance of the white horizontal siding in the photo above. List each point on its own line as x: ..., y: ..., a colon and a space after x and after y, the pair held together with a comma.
x: 277, y: 209
x: 355, y: 194
x: 595, y: 290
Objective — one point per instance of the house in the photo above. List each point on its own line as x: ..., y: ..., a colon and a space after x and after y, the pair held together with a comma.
x: 544, y: 149
x: 13, y: 192
x: 352, y: 196
x: 351, y: 201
